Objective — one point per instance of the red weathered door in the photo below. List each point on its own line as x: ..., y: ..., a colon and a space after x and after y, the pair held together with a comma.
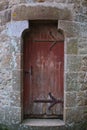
x: 43, y: 72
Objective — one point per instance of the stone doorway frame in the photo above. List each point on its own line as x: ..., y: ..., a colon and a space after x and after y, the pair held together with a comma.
x: 47, y: 22
x: 20, y: 24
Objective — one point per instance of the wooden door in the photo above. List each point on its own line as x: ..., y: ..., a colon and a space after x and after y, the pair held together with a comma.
x: 43, y: 72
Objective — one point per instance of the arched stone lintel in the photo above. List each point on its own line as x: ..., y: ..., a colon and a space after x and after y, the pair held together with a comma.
x: 45, y: 11
x: 15, y: 28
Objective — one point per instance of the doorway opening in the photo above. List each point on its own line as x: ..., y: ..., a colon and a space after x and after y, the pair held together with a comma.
x: 43, y: 71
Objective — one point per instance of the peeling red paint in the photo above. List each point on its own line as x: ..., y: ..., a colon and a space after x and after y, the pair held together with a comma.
x: 47, y: 71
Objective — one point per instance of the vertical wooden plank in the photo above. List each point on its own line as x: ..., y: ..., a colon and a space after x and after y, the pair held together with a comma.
x: 43, y: 71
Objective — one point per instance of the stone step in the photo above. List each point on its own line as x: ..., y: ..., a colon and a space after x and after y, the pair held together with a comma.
x: 44, y: 124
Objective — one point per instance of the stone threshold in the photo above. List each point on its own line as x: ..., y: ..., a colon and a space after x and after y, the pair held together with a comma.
x: 43, y: 122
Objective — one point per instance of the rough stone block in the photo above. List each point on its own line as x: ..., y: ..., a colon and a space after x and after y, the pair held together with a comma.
x: 80, y: 98
x: 15, y: 99
x: 82, y: 81
x: 76, y: 63
x: 60, y: 1
x: 85, y: 10
x: 16, y: 76
x: 78, y: 8
x: 5, y: 16
x: 5, y: 61
x: 49, y: 11
x: 74, y: 114
x: 72, y: 46
x: 16, y: 45
x: 71, y: 99
x: 12, y: 115
x: 4, y: 37
x: 80, y: 18
x: 5, y: 45
x: 73, y: 29
x: 73, y: 63
x: 85, y: 112
x: 82, y: 45
x: 4, y: 5
x: 2, y: 115
x: 10, y: 52
x: 70, y: 28
x: 5, y: 80
x: 43, y: 0
x: 83, y: 63
x: 72, y: 82
x: 4, y: 99
x: 16, y: 28
x: 16, y: 61
x: 84, y: 3
x: 2, y: 29
x: 13, y: 2
x: 74, y: 1
x: 83, y: 29
x: 85, y: 101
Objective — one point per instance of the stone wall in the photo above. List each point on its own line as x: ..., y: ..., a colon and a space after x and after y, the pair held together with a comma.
x: 72, y: 18
x: 75, y: 70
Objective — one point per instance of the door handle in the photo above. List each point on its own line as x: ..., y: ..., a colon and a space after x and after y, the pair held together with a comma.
x: 30, y: 71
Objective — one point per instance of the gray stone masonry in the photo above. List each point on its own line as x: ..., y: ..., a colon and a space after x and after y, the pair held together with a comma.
x: 72, y: 20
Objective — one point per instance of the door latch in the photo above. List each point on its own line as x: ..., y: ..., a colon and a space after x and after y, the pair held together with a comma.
x: 30, y: 71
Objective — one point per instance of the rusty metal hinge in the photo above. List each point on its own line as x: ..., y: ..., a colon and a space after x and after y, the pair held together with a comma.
x: 47, y: 40
x: 53, y: 101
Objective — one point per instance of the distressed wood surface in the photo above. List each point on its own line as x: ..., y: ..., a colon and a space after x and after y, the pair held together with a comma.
x: 43, y: 71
